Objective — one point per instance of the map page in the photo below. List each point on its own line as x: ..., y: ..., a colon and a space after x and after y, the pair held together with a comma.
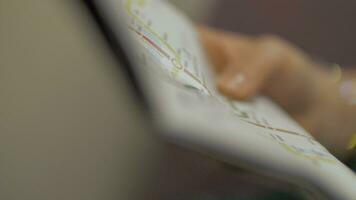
x: 178, y: 81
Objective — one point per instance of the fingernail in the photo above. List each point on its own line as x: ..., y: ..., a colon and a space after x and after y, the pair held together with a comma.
x: 236, y: 81
x: 239, y: 78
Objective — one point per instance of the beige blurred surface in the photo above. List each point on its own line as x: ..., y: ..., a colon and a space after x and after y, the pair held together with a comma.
x: 69, y: 127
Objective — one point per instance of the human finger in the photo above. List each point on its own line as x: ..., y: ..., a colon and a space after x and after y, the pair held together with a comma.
x: 244, y: 82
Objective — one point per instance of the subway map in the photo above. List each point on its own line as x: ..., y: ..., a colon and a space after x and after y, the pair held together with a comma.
x: 174, y: 53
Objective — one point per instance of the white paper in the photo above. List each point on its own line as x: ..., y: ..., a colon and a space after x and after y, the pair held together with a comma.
x: 180, y: 87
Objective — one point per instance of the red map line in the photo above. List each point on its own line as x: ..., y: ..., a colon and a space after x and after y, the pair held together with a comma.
x: 158, y: 48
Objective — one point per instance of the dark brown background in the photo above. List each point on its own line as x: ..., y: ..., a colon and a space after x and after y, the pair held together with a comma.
x: 324, y: 28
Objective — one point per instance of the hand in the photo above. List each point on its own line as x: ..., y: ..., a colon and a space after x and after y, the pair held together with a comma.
x: 246, y: 66
x: 267, y: 64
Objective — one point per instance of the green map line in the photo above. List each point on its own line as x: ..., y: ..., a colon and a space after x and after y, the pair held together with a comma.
x: 128, y: 9
x: 128, y: 5
x: 234, y: 108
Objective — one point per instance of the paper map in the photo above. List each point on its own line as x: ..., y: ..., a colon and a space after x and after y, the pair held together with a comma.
x: 179, y: 83
x: 173, y: 55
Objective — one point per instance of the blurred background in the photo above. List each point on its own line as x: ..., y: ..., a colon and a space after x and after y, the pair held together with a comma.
x: 323, y: 28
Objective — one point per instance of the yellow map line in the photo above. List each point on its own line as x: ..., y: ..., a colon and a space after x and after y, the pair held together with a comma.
x: 197, y: 79
x: 234, y: 108
x: 277, y: 129
x: 128, y: 4
x: 318, y: 158
x: 141, y: 3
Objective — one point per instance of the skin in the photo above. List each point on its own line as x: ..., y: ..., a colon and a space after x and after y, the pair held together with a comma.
x: 270, y: 65
x: 276, y: 68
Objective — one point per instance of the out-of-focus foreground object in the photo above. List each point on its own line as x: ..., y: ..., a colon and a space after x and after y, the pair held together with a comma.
x: 69, y: 126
